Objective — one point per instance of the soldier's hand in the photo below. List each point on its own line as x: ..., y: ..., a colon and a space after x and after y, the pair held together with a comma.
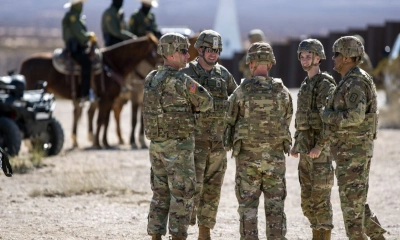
x: 5, y: 163
x: 294, y: 153
x: 314, y: 153
x: 92, y: 37
x: 286, y: 147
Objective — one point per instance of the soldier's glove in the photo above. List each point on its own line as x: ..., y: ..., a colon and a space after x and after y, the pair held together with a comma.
x: 227, y: 139
x: 5, y: 163
x: 92, y: 37
x: 286, y: 147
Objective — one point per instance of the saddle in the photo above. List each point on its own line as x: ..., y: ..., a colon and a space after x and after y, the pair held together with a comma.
x: 65, y: 64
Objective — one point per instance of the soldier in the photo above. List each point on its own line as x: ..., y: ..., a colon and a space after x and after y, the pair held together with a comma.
x: 76, y: 38
x: 210, y: 156
x: 352, y: 114
x: 315, y: 165
x: 366, y: 63
x: 257, y: 128
x: 143, y: 20
x: 255, y: 35
x: 170, y: 100
x: 113, y: 24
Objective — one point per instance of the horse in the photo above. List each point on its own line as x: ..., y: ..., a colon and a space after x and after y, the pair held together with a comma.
x: 121, y: 59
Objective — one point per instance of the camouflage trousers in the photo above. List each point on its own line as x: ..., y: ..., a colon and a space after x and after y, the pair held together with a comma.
x: 256, y: 173
x: 353, y: 162
x: 316, y: 181
x: 210, y: 162
x: 173, y: 184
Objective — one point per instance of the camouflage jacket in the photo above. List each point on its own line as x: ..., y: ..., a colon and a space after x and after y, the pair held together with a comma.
x: 259, y: 111
x: 220, y: 83
x: 170, y: 100
x: 140, y: 24
x: 74, y: 28
x: 113, y: 26
x: 352, y: 108
x: 310, y: 102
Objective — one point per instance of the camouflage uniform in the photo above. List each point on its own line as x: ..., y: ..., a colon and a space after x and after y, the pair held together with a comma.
x: 255, y: 35
x: 257, y: 128
x: 169, y: 101
x: 210, y: 156
x: 113, y: 26
x: 315, y: 174
x: 143, y: 21
x: 352, y: 115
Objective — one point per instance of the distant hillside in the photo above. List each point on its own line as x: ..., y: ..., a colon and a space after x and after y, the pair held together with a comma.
x: 279, y: 19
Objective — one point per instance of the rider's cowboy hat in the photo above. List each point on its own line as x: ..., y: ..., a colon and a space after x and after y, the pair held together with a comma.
x: 153, y: 3
x: 72, y: 2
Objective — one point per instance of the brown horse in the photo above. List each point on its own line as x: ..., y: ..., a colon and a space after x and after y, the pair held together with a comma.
x: 192, y: 51
x: 121, y: 58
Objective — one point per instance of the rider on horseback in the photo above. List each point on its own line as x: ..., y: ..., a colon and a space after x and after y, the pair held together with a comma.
x: 76, y: 38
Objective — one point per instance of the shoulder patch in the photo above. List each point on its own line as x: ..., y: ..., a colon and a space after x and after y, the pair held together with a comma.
x: 108, y: 18
x: 353, y: 97
x: 146, y: 20
x: 72, y: 18
x: 193, y: 88
x: 131, y: 21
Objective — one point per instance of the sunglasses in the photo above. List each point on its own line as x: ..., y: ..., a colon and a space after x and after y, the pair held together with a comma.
x: 210, y: 50
x: 336, y: 54
x: 184, y: 51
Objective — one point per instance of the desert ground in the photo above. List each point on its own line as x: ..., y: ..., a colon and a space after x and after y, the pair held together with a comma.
x: 105, y: 194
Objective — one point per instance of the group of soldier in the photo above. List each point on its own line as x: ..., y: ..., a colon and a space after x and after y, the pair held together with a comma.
x: 77, y: 38
x: 194, y: 113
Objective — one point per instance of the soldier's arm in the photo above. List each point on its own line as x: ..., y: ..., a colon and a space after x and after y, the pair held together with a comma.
x: 324, y: 90
x: 231, y: 84
x: 198, y: 95
x: 231, y: 115
x: 355, y: 100
x: 288, y: 117
x: 78, y: 31
x: 132, y: 25
x: 154, y: 27
x: 112, y: 23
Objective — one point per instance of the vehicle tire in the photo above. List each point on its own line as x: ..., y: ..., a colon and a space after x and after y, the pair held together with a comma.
x: 10, y: 136
x: 51, y: 141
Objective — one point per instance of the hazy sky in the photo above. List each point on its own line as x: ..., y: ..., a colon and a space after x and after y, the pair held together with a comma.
x: 279, y: 19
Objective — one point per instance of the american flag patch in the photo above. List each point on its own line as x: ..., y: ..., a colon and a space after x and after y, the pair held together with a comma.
x: 193, y: 88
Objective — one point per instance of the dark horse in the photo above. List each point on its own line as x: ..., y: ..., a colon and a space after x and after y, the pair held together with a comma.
x: 121, y: 58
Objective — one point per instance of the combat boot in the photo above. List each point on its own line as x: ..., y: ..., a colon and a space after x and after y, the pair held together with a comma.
x: 156, y: 237
x: 204, y: 233
x: 176, y: 238
x: 325, y: 234
x: 321, y: 234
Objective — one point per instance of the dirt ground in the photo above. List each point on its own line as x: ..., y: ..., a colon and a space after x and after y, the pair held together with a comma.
x: 105, y: 194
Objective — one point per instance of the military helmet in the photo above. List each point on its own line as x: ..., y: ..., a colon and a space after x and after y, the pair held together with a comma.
x: 256, y: 35
x: 311, y: 45
x: 260, y: 52
x: 349, y: 46
x: 169, y: 43
x: 210, y: 39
